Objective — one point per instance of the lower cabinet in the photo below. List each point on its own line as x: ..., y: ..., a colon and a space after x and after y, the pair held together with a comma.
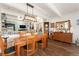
x: 64, y: 37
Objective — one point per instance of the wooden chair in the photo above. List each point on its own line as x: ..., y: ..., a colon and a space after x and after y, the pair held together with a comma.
x: 31, y: 46
x: 19, y: 42
x: 3, y: 47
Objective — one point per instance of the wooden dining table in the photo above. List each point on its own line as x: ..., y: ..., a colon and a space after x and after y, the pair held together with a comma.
x: 20, y: 43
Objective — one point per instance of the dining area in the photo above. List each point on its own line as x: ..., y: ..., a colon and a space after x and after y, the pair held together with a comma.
x: 22, y: 42
x: 21, y: 35
x: 33, y: 29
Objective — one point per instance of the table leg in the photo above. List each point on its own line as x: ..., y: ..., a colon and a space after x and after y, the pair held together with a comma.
x: 18, y: 50
x: 43, y: 44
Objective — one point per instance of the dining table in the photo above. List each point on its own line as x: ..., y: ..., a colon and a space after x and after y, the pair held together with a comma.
x: 21, y: 43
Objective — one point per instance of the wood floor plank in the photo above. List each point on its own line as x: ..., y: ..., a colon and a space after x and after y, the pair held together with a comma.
x: 56, y: 48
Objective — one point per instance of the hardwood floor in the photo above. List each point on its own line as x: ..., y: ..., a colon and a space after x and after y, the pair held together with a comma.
x: 56, y: 48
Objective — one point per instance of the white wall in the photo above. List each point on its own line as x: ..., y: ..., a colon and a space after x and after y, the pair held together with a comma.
x: 75, y: 28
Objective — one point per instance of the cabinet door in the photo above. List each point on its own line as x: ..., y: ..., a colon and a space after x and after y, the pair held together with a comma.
x: 68, y: 37
x: 46, y: 26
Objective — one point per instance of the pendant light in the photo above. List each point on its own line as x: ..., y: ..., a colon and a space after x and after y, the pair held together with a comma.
x: 27, y: 16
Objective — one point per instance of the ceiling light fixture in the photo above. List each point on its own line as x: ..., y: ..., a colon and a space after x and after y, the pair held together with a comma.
x: 29, y: 17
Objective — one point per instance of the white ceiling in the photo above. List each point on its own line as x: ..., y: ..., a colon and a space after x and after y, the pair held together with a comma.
x: 66, y: 8
x: 48, y: 10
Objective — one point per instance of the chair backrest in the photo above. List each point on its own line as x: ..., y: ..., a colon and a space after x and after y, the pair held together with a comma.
x: 32, y: 44
x: 31, y: 39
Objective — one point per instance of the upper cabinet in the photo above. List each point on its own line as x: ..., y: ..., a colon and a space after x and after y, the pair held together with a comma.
x: 63, y: 26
